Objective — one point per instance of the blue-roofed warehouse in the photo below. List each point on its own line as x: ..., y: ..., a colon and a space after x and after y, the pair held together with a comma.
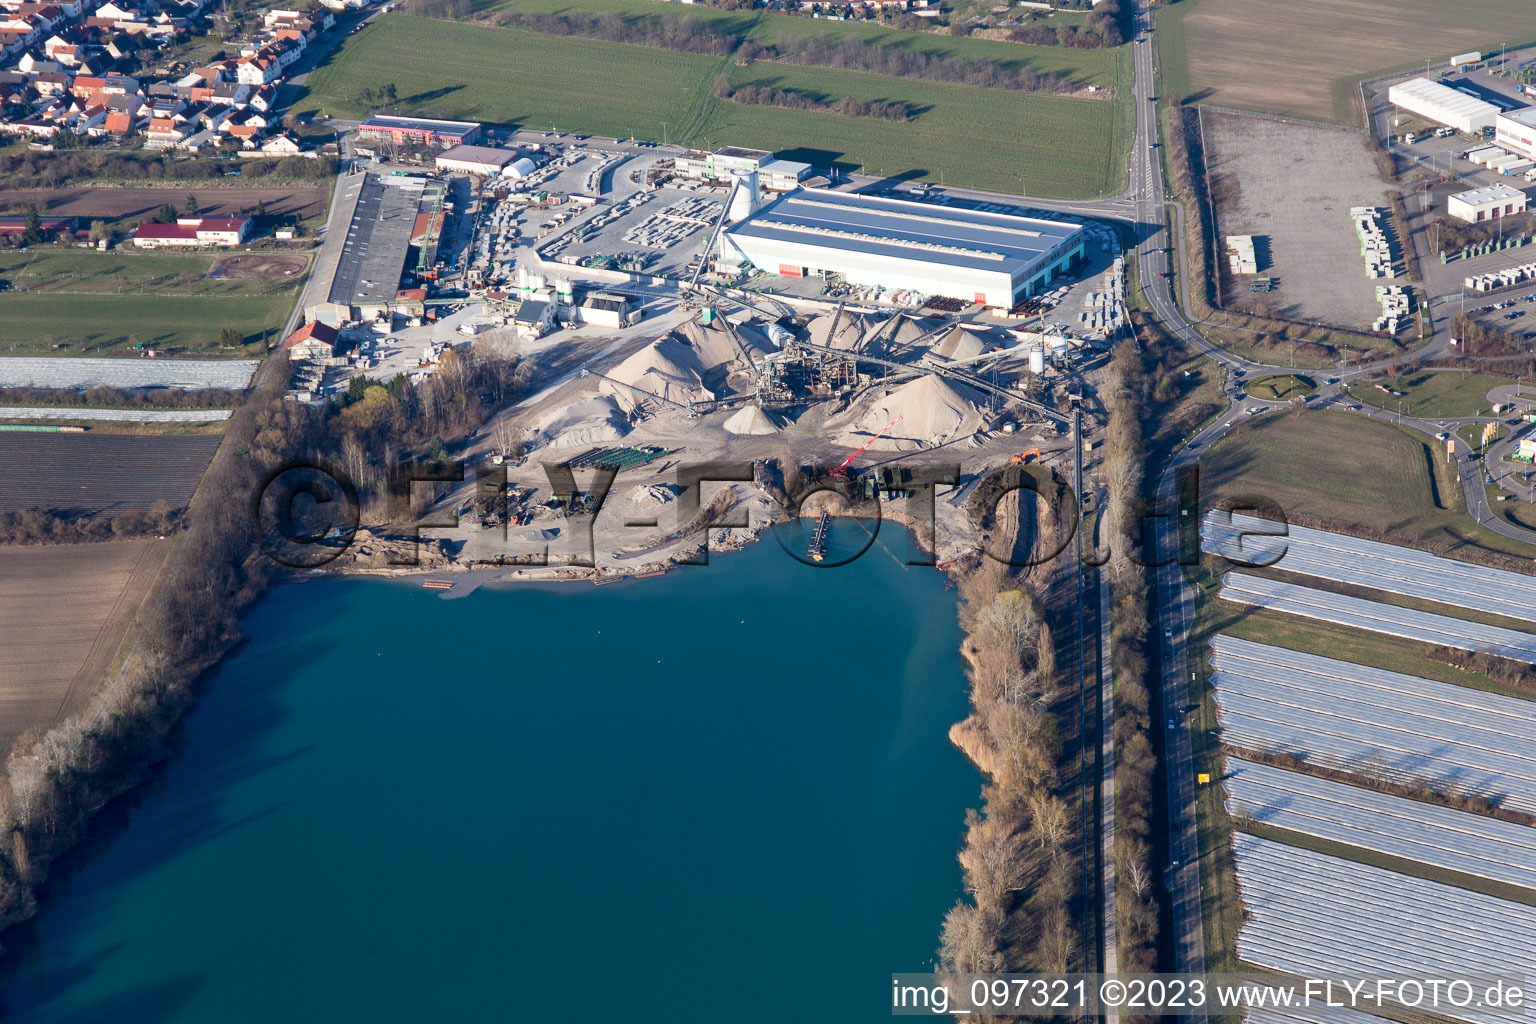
x: 993, y: 259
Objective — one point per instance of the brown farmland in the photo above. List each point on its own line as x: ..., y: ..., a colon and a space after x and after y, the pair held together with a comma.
x: 1300, y: 57
x: 66, y: 608
x: 137, y: 203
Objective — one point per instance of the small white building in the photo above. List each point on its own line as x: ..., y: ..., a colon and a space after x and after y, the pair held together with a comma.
x: 606, y: 309
x: 1442, y: 104
x: 782, y: 175
x: 1488, y: 203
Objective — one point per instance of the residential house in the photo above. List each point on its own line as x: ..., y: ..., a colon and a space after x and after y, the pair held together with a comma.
x: 281, y: 145
x: 193, y: 231
x: 315, y: 341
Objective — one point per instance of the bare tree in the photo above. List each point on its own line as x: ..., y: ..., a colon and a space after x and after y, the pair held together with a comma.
x: 969, y: 941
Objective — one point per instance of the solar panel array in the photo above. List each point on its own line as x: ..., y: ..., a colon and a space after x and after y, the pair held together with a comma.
x: 1456, y: 840
x: 1368, y: 563
x: 1376, y: 617
x: 1376, y: 723
x: 1313, y: 915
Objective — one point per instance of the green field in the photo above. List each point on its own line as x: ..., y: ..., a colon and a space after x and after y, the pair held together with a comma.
x: 940, y: 142
x: 1008, y: 141
x: 454, y: 70
x: 1432, y: 394
x: 65, y: 323
x: 52, y: 270
x: 76, y: 302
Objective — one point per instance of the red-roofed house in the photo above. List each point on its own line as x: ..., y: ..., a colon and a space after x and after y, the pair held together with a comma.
x: 193, y: 231
x: 315, y: 340
x: 119, y: 123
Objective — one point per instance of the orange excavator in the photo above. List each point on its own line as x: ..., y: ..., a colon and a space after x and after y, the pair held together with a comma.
x: 1027, y: 454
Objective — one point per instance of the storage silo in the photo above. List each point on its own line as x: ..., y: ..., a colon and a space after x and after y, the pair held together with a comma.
x: 743, y: 196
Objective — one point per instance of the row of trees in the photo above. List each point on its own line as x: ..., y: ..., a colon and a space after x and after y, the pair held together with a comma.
x: 1136, y: 907
x: 668, y: 32
x: 698, y: 35
x: 1514, y: 674
x: 1479, y: 341
x: 50, y: 526
x: 103, y: 397
x: 30, y: 169
x: 771, y: 96
x: 1020, y: 860
x: 845, y: 52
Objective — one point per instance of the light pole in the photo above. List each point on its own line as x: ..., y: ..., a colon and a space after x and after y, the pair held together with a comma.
x: 663, y: 133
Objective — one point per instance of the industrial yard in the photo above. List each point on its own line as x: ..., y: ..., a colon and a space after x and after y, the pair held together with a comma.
x: 1293, y: 185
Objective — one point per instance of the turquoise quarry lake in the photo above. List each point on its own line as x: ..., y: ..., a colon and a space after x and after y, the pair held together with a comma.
x: 725, y: 794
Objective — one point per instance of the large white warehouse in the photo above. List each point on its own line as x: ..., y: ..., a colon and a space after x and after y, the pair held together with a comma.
x: 1443, y: 104
x: 990, y: 258
x: 1516, y: 131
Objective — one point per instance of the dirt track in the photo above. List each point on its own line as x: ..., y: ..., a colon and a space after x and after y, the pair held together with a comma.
x: 270, y: 266
x: 115, y: 203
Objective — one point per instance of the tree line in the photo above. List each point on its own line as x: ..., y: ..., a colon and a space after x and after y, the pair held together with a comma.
x: 667, y: 32
x: 50, y: 526
x: 1137, y: 891
x: 1020, y: 860
x: 104, y: 397
x: 1478, y: 340
x: 698, y: 35
x: 55, y: 782
x: 771, y: 96
x: 847, y: 53
x: 51, y: 170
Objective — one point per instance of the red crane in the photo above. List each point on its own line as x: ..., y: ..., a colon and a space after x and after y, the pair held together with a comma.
x: 843, y: 469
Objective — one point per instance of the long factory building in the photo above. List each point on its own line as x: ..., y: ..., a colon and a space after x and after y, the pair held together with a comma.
x: 993, y: 259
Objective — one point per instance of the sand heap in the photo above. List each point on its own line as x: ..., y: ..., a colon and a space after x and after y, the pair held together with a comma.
x: 750, y: 420
x: 933, y: 412
x: 959, y: 343
x: 651, y: 495
x: 909, y: 329
x: 666, y: 367
x: 714, y: 348
x: 850, y: 330
x: 591, y: 421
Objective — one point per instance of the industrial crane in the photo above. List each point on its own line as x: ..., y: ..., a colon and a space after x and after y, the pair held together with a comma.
x: 843, y: 469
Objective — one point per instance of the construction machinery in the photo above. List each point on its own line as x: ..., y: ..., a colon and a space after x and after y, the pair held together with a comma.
x: 1026, y: 455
